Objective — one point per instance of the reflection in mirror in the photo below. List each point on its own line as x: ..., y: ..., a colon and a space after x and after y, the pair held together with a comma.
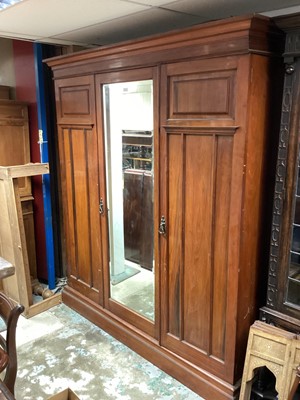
x: 128, y: 124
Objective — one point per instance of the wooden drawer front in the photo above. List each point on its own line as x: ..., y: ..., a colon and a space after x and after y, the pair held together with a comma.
x: 201, y: 90
x: 75, y: 101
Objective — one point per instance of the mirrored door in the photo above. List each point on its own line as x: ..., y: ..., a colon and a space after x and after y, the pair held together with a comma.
x: 128, y: 203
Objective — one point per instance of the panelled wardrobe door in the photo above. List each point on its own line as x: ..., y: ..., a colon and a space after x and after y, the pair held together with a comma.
x: 77, y: 137
x: 199, y: 203
x: 126, y: 103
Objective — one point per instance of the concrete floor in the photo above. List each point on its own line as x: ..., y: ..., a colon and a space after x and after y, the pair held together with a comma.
x: 59, y: 349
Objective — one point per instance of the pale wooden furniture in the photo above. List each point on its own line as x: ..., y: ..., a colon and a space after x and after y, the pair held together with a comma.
x: 213, y: 91
x: 15, y: 150
x: 293, y: 381
x: 295, y: 384
x: 13, y: 246
x: 5, y: 394
x: 270, y: 347
x: 276, y: 349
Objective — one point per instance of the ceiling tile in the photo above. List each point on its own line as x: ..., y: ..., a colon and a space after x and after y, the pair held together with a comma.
x: 152, y: 3
x: 283, y: 11
x: 149, y: 22
x: 14, y: 35
x: 107, y: 21
x: 47, y: 18
x: 217, y: 9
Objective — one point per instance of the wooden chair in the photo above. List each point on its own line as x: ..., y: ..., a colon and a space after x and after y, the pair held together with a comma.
x: 8, y: 352
x: 5, y: 394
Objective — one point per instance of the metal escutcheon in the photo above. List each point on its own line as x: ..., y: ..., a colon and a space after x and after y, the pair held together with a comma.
x: 101, y: 207
x: 162, y: 226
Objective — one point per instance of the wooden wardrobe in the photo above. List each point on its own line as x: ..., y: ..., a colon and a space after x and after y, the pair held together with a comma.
x: 214, y: 96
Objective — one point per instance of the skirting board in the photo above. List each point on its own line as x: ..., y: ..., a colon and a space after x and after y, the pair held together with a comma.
x: 201, y: 382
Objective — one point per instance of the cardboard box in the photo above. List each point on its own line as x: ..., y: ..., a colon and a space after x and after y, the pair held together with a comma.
x: 66, y: 394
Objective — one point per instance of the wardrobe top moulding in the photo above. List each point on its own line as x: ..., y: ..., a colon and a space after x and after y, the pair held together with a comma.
x: 237, y: 35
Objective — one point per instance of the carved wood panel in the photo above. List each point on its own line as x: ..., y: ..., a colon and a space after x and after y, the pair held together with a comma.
x: 279, y: 193
x: 279, y: 309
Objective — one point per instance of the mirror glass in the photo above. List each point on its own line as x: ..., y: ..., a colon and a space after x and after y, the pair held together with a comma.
x: 128, y: 124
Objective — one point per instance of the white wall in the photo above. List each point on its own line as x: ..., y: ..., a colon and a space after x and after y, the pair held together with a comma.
x: 7, y: 70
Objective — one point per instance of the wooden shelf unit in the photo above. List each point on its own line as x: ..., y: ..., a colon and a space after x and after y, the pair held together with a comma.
x: 13, y: 246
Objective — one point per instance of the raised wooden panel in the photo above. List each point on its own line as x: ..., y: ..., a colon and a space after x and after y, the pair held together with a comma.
x: 202, y: 96
x: 175, y: 218
x: 199, y: 176
x: 222, y: 192
x: 197, y: 279
x: 201, y: 90
x: 78, y: 147
x: 75, y: 101
x: 14, y: 139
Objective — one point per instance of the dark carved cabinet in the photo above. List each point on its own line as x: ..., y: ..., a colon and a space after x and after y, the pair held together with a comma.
x: 283, y: 293
x: 190, y: 203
